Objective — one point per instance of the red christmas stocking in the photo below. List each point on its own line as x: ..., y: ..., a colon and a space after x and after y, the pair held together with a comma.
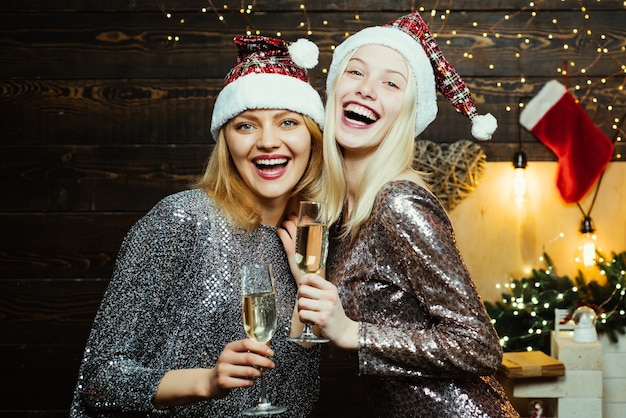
x: 583, y: 150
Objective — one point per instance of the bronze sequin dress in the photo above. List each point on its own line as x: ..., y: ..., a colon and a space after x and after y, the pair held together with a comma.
x: 427, y: 347
x: 174, y: 302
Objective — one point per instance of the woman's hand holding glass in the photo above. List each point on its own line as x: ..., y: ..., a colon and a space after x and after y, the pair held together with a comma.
x: 319, y: 303
x: 238, y: 364
x: 318, y: 300
x: 308, y: 249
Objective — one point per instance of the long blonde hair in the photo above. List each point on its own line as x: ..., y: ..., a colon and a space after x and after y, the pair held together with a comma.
x: 392, y: 157
x: 222, y: 181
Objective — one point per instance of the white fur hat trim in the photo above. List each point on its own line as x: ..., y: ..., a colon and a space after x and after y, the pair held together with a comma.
x: 266, y: 91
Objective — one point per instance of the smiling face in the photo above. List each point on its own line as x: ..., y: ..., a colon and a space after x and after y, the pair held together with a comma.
x: 368, y: 98
x: 270, y: 149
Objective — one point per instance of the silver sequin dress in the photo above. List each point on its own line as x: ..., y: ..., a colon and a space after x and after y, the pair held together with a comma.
x: 174, y: 302
x: 427, y: 347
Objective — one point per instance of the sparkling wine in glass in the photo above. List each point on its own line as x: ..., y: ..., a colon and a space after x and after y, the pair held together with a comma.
x: 311, y: 251
x: 259, y: 322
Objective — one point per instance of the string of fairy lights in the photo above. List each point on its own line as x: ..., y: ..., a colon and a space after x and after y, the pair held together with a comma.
x: 522, y: 18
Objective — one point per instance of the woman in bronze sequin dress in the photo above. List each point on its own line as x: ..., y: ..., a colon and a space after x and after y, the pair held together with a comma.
x: 398, y: 292
x: 168, y: 339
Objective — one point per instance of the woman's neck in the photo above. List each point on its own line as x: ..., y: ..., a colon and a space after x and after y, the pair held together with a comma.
x: 272, y: 211
x: 354, y: 172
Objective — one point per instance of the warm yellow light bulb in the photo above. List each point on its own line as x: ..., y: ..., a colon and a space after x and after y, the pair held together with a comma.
x: 519, y: 177
x: 586, y: 255
x: 519, y: 185
x: 588, y: 250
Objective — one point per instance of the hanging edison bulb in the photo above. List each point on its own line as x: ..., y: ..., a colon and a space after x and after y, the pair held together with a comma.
x: 520, y: 161
x: 587, y: 245
x: 519, y: 179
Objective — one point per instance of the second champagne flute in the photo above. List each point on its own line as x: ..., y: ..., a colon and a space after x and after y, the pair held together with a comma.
x: 311, y: 251
x: 259, y: 322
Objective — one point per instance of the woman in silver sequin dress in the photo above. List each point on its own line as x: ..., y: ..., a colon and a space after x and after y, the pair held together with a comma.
x: 168, y: 338
x: 398, y: 292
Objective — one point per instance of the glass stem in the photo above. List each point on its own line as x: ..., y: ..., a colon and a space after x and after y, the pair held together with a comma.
x: 308, y: 329
x: 263, y: 400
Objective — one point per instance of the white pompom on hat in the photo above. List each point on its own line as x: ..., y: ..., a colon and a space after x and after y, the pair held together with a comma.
x: 269, y: 73
x: 410, y: 36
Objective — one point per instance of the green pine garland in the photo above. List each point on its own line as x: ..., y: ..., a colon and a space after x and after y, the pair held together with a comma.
x: 525, y: 316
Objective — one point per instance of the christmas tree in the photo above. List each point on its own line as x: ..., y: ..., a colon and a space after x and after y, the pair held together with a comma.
x: 525, y: 316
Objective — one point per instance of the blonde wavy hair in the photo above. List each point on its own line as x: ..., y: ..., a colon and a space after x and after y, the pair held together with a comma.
x: 224, y: 184
x: 393, y: 157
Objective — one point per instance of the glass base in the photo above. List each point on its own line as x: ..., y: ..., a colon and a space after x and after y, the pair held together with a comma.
x: 308, y: 338
x: 264, y: 409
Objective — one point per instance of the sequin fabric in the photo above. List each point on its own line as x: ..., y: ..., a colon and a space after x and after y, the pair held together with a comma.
x: 427, y: 347
x: 174, y: 302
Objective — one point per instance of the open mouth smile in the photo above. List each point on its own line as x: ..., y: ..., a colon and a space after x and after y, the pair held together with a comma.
x: 360, y: 115
x: 270, y: 166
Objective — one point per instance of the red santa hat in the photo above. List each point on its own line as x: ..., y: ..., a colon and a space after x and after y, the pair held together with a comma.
x: 269, y: 73
x: 583, y: 150
x: 410, y: 36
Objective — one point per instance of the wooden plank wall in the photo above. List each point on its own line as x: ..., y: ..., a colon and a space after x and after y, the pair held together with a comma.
x: 101, y: 115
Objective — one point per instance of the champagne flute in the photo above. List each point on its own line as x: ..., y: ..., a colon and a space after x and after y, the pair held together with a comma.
x: 259, y: 321
x: 311, y: 251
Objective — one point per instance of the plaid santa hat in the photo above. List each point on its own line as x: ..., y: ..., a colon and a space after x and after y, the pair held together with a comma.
x: 410, y: 36
x: 269, y: 73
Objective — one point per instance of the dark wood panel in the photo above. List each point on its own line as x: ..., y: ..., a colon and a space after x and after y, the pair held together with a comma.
x: 111, y: 111
x: 61, y: 245
x: 334, y: 5
x: 124, y: 45
x: 137, y: 45
x: 33, y: 413
x: 44, y: 325
x: 127, y: 45
x: 38, y: 377
x: 158, y: 111
x: 96, y: 178
x: 536, y: 151
x: 46, y: 311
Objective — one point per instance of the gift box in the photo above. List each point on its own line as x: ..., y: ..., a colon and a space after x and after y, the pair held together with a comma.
x: 530, y: 364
